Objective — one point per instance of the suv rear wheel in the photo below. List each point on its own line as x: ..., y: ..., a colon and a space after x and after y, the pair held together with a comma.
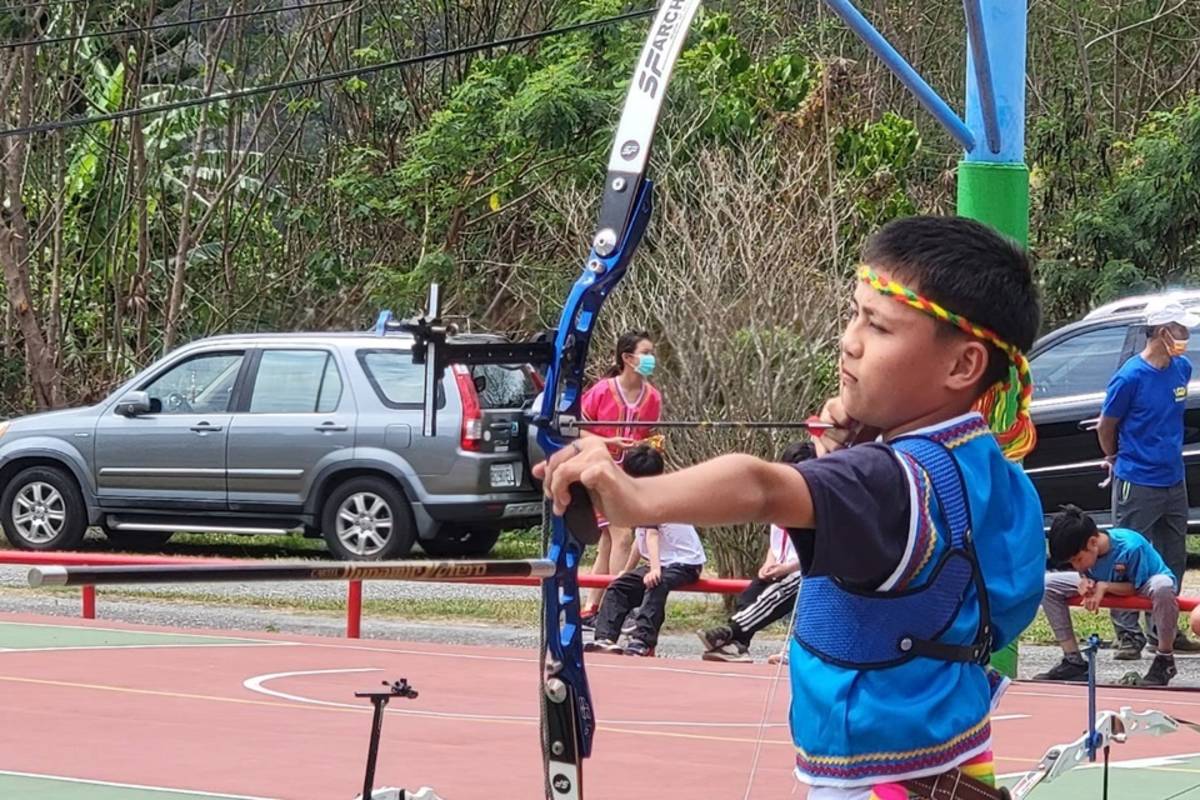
x: 41, y: 509
x: 461, y: 540
x: 367, y: 519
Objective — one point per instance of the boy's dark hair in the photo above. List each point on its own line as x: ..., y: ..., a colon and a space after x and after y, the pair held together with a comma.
x: 796, y: 452
x: 969, y: 269
x: 642, y: 461
x: 1069, y: 533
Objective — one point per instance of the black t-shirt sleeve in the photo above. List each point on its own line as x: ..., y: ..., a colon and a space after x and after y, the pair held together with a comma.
x: 861, y: 506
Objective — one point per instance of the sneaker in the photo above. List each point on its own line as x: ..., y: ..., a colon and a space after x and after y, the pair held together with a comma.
x: 734, y: 652
x: 715, y: 638
x: 1185, y: 645
x: 602, y: 646
x: 636, y: 647
x: 587, y: 619
x: 1129, y: 648
x: 1162, y: 669
x: 630, y: 623
x: 1065, y: 670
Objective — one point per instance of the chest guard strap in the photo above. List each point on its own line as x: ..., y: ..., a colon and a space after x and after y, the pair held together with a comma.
x: 874, y: 629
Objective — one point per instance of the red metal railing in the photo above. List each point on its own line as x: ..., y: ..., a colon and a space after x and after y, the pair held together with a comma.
x: 354, y: 588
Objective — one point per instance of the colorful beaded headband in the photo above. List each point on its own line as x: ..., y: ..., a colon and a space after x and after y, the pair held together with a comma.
x: 1005, y: 405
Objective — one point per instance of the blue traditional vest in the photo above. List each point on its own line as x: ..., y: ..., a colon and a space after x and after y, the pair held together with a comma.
x: 890, y: 684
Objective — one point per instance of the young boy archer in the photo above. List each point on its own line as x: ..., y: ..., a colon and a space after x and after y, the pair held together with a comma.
x: 920, y: 541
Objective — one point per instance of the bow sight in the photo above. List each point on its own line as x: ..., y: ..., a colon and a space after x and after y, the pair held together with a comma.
x: 434, y: 347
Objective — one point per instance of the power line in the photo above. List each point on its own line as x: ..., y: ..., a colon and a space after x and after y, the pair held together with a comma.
x: 157, y: 26
x: 77, y: 122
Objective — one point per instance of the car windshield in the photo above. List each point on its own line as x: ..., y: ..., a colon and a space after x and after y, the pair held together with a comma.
x: 1081, y: 364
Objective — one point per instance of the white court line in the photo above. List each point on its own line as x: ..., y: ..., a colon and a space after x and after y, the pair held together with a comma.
x: 1151, y: 762
x: 533, y: 660
x: 1160, y: 697
x: 183, y: 645
x: 193, y: 792
x: 257, y: 684
x: 137, y: 631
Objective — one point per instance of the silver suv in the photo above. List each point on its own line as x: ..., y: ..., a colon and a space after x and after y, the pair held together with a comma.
x: 276, y: 433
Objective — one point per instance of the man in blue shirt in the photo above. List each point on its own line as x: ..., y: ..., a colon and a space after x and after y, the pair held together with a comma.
x: 1119, y: 563
x: 1141, y: 434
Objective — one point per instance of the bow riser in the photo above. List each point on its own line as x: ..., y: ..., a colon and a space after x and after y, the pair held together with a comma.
x: 625, y: 208
x: 570, y: 720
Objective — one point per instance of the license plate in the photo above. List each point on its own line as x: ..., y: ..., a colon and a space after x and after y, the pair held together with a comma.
x: 502, y: 476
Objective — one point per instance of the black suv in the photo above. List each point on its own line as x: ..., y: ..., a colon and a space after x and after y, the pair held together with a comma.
x: 1071, y: 369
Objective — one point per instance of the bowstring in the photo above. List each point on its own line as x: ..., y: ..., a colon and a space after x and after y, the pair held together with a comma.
x: 835, y: 242
x: 542, y: 654
x: 769, y: 700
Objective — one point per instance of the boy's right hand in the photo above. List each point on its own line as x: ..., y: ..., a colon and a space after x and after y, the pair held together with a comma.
x: 847, y: 431
x: 652, y: 578
x: 1086, y: 585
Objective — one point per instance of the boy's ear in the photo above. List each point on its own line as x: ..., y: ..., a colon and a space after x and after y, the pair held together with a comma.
x: 969, y: 366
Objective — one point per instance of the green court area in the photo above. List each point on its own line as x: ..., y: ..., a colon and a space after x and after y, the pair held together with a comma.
x: 46, y: 787
x: 25, y: 636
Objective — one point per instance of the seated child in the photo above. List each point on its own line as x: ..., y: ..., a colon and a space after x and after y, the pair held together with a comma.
x: 1118, y: 562
x: 770, y: 597
x: 674, y: 557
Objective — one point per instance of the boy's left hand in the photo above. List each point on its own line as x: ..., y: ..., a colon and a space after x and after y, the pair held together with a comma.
x: 652, y: 578
x: 775, y: 572
x: 589, y: 462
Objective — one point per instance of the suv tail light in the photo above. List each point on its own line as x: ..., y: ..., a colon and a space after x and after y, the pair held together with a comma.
x: 471, y: 435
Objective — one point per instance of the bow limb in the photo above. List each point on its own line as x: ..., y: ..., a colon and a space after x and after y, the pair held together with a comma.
x: 1111, y: 726
x: 568, y: 719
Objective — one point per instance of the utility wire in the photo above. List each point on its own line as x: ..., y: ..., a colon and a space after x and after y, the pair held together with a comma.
x: 158, y: 26
x: 77, y: 122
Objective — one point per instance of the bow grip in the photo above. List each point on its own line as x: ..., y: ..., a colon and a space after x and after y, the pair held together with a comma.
x: 580, y: 516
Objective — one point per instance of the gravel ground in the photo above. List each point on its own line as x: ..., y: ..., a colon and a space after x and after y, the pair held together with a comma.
x: 190, y: 614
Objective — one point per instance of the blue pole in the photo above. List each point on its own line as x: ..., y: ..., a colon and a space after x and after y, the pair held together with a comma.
x: 977, y: 44
x: 1001, y: 27
x: 904, y: 72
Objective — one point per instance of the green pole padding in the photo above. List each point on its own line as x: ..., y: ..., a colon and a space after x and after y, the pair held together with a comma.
x: 998, y: 195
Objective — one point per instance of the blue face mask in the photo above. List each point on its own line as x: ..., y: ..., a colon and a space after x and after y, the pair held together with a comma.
x: 645, y: 365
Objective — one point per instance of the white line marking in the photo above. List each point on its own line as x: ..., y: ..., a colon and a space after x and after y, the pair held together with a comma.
x: 183, y: 645
x: 1160, y: 697
x: 134, y: 631
x: 142, y: 787
x: 257, y: 684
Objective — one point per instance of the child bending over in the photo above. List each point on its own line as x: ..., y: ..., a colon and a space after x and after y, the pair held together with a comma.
x: 674, y: 557
x: 1120, y: 563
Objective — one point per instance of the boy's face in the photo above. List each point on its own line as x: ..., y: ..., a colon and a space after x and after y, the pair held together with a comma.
x: 897, y: 370
x: 1086, y: 558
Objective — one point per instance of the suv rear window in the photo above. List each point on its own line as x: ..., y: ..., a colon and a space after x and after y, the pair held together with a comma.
x: 396, y: 379
x: 506, y: 386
